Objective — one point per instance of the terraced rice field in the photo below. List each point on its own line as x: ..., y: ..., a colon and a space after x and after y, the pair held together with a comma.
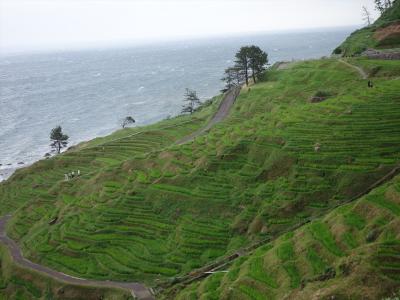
x: 146, y: 209
x: 19, y: 283
x: 319, y: 257
x: 95, y: 156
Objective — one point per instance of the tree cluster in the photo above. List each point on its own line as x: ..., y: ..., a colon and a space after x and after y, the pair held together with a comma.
x: 383, y: 5
x: 250, y: 62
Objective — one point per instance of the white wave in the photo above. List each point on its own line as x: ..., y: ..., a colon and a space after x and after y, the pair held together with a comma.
x: 139, y: 103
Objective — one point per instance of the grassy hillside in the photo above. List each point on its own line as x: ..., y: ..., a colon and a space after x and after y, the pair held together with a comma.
x: 148, y: 210
x: 95, y: 156
x: 352, y: 253
x: 372, y: 37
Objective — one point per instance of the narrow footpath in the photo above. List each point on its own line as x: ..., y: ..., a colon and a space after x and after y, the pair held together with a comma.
x: 138, y: 290
x: 362, y: 73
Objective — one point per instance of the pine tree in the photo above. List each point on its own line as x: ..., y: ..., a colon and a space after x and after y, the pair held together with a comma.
x: 242, y: 62
x: 192, y: 101
x: 251, y: 61
x: 383, y: 5
x: 257, y: 62
x: 233, y: 77
x: 127, y: 121
x: 379, y: 5
x: 58, y: 139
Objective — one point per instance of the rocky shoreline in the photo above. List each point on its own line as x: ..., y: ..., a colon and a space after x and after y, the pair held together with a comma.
x: 6, y: 172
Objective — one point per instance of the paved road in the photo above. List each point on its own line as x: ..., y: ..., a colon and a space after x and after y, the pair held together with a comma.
x: 221, y: 114
x: 362, y: 73
x: 138, y: 290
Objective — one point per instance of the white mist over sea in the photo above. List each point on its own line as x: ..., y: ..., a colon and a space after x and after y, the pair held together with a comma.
x: 88, y: 92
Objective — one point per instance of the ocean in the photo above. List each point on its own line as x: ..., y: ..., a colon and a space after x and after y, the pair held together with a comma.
x: 88, y: 92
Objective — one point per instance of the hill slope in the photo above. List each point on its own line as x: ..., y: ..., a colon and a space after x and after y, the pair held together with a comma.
x: 148, y: 210
x: 352, y: 253
x: 384, y: 33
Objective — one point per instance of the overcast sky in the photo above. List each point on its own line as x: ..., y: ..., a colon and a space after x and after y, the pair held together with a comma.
x: 50, y: 24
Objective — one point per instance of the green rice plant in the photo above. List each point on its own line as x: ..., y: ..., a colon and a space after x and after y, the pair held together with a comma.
x: 292, y: 271
x: 258, y: 272
x: 317, y: 263
x: 32, y: 289
x: 285, y: 251
x: 349, y: 240
x: 354, y: 220
x: 321, y: 233
x: 381, y: 201
x: 251, y: 293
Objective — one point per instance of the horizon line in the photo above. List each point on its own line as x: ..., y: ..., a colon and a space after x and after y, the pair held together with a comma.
x: 103, y: 45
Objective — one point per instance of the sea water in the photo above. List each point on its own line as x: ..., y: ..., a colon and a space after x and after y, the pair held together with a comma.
x: 89, y: 92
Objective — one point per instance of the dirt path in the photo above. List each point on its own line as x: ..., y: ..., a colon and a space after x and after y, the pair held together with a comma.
x: 221, y: 114
x: 362, y: 73
x: 137, y: 289
x: 284, y: 65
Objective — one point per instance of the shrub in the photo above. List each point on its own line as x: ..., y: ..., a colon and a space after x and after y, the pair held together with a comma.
x: 374, y: 71
x: 338, y: 50
x: 322, y: 94
x: 372, y: 236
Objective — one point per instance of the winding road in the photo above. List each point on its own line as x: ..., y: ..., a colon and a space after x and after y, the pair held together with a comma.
x: 138, y: 290
x: 221, y: 114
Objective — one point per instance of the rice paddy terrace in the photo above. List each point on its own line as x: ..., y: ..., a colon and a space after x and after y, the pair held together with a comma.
x: 352, y: 253
x: 149, y: 210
